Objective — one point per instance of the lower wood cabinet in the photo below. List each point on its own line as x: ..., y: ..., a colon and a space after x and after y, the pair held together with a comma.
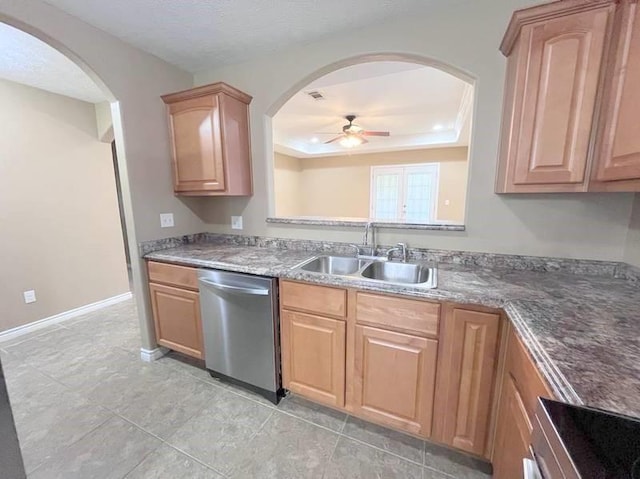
x: 313, y: 356
x: 466, y: 379
x: 176, y: 314
x: 394, y: 378
x: 522, y: 384
x: 514, y: 433
x: 455, y: 374
x: 175, y: 303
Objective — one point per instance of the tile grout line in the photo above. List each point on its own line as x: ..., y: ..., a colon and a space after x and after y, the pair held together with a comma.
x: 32, y: 335
x: 253, y: 436
x: 342, y: 434
x: 333, y: 451
x: 70, y: 444
x: 141, y: 461
x: 164, y: 441
x: 439, y: 471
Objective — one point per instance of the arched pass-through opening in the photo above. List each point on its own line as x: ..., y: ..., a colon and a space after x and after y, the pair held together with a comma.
x: 284, y: 139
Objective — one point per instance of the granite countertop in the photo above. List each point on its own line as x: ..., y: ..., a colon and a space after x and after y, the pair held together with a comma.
x: 582, y: 331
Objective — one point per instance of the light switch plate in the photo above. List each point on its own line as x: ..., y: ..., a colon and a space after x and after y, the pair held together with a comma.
x: 236, y: 222
x: 166, y: 220
x: 29, y: 296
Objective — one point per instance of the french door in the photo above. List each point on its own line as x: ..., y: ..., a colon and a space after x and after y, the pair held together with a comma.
x: 405, y: 194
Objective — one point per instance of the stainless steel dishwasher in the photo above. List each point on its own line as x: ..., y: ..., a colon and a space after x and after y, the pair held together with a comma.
x: 241, y: 330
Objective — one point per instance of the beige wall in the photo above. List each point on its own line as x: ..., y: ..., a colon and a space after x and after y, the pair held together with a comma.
x: 135, y: 80
x: 632, y: 248
x: 339, y: 186
x: 287, y: 172
x: 61, y: 232
x: 103, y: 122
x: 465, y: 35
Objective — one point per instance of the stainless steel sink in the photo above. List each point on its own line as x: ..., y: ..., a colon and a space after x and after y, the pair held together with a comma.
x: 406, y: 273
x: 333, y: 265
x: 382, y: 271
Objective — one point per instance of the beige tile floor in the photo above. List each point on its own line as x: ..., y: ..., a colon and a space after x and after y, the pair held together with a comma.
x: 86, y: 407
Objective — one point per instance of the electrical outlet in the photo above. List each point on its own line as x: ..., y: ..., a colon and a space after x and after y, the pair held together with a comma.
x: 166, y: 220
x: 236, y: 222
x: 447, y: 202
x: 29, y: 296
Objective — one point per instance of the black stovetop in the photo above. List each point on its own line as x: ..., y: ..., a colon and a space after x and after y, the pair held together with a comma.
x: 602, y: 445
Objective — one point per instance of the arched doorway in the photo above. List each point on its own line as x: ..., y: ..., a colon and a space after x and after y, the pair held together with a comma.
x: 52, y: 125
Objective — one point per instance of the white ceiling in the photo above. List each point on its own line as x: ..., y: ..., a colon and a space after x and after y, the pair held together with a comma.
x: 28, y: 60
x: 197, y: 34
x: 422, y: 107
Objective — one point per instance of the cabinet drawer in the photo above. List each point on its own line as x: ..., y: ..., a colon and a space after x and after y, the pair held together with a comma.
x: 526, y: 376
x: 419, y: 317
x: 180, y: 276
x: 314, y: 299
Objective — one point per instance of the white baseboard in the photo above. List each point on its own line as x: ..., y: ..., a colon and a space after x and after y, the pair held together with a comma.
x: 59, y: 318
x: 148, y: 355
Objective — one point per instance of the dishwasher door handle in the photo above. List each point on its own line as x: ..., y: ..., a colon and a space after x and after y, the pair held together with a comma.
x: 235, y: 289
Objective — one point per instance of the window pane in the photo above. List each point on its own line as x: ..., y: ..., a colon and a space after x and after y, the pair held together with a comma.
x: 419, y: 197
x: 386, y: 200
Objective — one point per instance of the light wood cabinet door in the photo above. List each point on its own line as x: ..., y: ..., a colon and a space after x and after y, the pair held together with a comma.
x: 313, y: 356
x: 466, y: 379
x: 513, y: 433
x: 176, y: 315
x: 197, y: 151
x: 555, y: 64
x: 209, y: 130
x: 522, y: 384
x: 394, y: 379
x: 618, y: 149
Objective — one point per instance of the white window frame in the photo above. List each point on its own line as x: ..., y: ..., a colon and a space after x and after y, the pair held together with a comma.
x: 431, y: 168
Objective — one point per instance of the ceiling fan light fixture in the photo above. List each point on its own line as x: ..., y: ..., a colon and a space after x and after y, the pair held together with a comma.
x: 350, y: 141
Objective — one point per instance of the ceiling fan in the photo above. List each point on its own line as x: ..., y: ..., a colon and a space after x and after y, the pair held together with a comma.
x: 354, y: 135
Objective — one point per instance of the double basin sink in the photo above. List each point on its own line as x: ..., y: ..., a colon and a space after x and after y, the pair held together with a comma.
x: 377, y: 270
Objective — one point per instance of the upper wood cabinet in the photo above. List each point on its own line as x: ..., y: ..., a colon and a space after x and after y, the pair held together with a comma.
x: 209, y: 128
x: 618, y: 145
x: 555, y: 57
x: 466, y: 379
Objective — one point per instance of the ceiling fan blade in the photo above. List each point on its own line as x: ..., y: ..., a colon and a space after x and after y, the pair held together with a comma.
x: 334, y: 139
x: 375, y: 133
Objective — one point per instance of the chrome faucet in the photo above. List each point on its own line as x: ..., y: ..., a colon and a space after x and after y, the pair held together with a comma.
x: 402, y: 248
x: 365, y: 240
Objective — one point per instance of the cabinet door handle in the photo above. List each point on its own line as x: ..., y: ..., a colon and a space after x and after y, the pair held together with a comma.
x: 235, y: 289
x: 531, y: 470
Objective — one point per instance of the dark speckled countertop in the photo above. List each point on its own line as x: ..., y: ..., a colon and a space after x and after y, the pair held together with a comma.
x: 582, y: 331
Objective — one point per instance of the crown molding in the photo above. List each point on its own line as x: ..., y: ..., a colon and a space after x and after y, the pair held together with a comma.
x: 206, y: 90
x: 544, y: 12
